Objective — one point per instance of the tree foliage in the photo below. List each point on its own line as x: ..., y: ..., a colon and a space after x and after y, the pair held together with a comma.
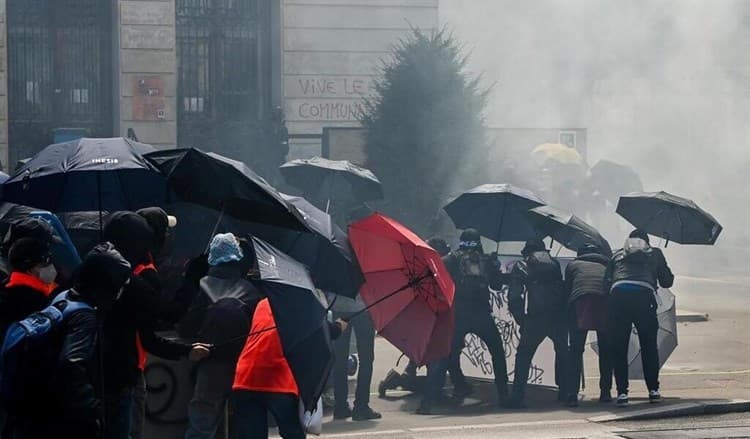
x: 423, y: 122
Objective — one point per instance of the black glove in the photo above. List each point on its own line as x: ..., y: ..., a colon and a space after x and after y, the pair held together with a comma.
x: 197, y: 268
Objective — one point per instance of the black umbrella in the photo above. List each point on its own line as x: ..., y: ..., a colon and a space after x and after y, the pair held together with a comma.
x: 498, y: 211
x: 300, y: 319
x: 334, y: 179
x: 612, y: 179
x: 223, y: 184
x: 567, y: 229
x: 325, y: 251
x: 88, y: 175
x: 670, y: 217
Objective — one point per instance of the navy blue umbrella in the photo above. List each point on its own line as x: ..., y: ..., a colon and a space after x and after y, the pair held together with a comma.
x: 88, y: 174
x: 567, y: 229
x: 300, y: 319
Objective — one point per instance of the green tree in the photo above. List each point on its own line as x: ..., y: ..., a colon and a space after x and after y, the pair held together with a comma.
x: 424, y: 126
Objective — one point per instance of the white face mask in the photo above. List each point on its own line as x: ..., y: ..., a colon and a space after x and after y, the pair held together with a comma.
x: 47, y: 274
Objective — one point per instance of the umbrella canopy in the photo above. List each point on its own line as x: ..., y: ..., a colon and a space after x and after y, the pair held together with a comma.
x: 88, y: 175
x: 325, y: 251
x: 498, y: 211
x: 666, y: 336
x: 670, y: 217
x: 334, y: 178
x: 300, y: 319
x: 558, y: 154
x: 227, y: 185
x: 407, y: 287
x: 567, y: 229
x: 614, y: 180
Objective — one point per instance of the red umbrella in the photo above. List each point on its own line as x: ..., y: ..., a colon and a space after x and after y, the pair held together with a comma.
x: 407, y: 288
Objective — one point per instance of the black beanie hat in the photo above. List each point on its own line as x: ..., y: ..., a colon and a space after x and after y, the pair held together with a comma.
x: 26, y: 253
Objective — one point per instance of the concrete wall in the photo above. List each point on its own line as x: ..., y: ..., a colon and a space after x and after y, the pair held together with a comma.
x: 3, y: 89
x: 330, y: 53
x: 146, y: 65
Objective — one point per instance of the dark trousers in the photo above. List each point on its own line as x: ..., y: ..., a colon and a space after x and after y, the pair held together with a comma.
x: 628, y: 308
x: 118, y: 408
x: 577, y: 344
x: 481, y: 324
x: 251, y: 414
x: 534, y: 330
x: 365, y: 333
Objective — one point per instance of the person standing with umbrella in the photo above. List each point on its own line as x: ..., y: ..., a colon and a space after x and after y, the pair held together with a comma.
x: 587, y: 303
x: 224, y: 306
x: 632, y: 277
x: 474, y: 273
x: 536, y: 300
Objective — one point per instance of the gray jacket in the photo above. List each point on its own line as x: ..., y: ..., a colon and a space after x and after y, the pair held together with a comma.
x: 640, y: 264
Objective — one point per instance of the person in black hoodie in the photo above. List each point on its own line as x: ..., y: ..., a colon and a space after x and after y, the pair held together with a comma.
x: 222, y: 310
x: 632, y: 278
x: 71, y: 404
x: 29, y: 227
x: 31, y: 283
x: 474, y: 273
x: 135, y: 317
x: 587, y: 306
x: 536, y: 300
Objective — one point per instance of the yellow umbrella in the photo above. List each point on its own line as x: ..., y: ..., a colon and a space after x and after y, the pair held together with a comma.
x: 557, y: 152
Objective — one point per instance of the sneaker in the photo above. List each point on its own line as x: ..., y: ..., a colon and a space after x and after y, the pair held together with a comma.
x: 392, y: 380
x: 340, y: 413
x: 463, y: 391
x: 365, y: 414
x: 572, y: 400
x: 424, y: 409
x: 622, y: 399
x: 605, y: 396
x: 654, y: 396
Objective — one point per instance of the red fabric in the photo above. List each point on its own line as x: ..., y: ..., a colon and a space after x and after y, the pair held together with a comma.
x: 19, y: 279
x: 142, y: 355
x: 262, y: 366
x: 591, y: 312
x: 418, y: 320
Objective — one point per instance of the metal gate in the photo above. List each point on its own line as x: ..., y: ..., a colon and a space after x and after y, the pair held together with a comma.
x: 59, y: 71
x: 222, y: 51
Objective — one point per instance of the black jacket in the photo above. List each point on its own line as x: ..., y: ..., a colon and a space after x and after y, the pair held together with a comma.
x: 17, y: 302
x: 536, y: 281
x: 638, y: 263
x: 222, y: 311
x: 76, y: 381
x: 585, y: 275
x: 474, y: 273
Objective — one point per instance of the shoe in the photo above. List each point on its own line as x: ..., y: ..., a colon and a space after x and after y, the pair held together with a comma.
x: 572, y: 401
x: 622, y: 399
x: 654, y: 396
x: 605, y: 396
x: 515, y: 404
x: 424, y: 409
x: 365, y: 414
x: 463, y: 391
x: 392, y: 380
x: 340, y: 413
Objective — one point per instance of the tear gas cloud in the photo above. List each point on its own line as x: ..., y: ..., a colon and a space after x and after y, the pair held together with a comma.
x: 660, y: 85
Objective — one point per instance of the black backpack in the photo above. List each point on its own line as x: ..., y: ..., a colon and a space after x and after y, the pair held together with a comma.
x: 544, y: 284
x: 29, y: 354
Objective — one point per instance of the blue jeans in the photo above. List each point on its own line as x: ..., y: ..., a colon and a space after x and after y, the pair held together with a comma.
x: 118, y: 408
x: 251, y: 414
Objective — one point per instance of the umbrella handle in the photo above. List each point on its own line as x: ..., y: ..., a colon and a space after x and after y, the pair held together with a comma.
x: 427, y: 275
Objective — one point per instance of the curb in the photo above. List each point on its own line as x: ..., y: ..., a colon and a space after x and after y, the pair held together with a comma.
x: 677, y: 410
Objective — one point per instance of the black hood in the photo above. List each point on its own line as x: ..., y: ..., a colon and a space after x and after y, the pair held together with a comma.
x: 594, y: 257
x: 103, y: 270
x: 131, y: 235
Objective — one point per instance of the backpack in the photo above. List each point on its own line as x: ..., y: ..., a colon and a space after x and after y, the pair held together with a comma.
x: 544, y: 284
x: 29, y: 353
